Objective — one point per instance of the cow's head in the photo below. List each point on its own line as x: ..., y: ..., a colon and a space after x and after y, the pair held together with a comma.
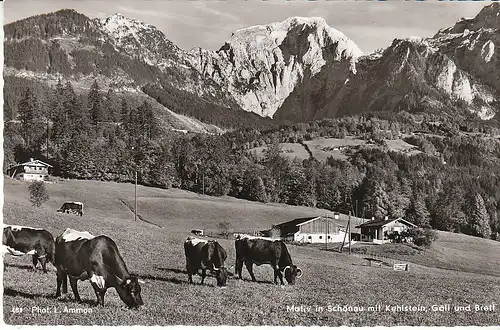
x: 7, y: 235
x: 291, y: 273
x: 221, y: 274
x: 130, y: 291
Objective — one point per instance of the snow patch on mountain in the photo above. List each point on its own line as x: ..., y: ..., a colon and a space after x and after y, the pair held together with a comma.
x: 487, y: 51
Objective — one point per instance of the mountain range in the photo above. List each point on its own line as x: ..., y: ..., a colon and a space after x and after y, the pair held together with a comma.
x: 296, y: 70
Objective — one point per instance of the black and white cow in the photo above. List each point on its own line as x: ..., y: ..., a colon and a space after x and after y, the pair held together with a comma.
x: 203, y: 254
x: 82, y: 256
x: 19, y: 241
x: 74, y: 207
x: 257, y: 250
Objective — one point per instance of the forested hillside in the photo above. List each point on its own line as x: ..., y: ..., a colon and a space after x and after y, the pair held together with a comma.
x: 452, y: 184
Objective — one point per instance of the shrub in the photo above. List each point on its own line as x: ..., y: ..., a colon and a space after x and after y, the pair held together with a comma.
x: 422, y: 237
x: 38, y: 193
x: 224, y: 227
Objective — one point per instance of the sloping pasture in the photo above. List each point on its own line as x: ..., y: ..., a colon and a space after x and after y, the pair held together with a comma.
x: 155, y: 253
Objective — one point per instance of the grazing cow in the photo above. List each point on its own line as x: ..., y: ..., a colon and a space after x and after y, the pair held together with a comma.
x: 39, y: 243
x: 202, y: 254
x: 258, y: 250
x: 74, y: 207
x: 82, y: 256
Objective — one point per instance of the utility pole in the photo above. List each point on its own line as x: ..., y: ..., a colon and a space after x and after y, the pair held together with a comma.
x: 326, y: 237
x: 346, y: 230
x: 47, y: 147
x: 135, y: 189
x: 203, y: 181
x: 349, y: 228
x: 135, y: 195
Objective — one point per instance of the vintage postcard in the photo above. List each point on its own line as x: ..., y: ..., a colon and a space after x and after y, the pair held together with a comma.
x: 251, y: 163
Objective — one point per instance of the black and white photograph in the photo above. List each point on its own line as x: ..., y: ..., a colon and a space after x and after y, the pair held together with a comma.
x: 251, y: 163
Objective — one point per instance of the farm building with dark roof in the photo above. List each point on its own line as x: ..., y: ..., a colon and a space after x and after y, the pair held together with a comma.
x: 318, y: 229
x: 377, y: 230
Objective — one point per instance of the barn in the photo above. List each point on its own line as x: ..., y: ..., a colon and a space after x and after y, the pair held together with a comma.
x: 33, y: 170
x: 318, y: 229
x: 376, y: 231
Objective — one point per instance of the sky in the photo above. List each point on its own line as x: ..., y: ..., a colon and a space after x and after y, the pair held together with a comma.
x: 207, y: 24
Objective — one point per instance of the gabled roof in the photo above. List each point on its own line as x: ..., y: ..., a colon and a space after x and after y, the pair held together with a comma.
x: 381, y: 223
x: 295, y: 222
x: 291, y: 227
x: 35, y: 162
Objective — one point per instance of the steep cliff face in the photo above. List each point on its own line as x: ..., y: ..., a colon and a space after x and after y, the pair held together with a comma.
x: 260, y: 66
x: 455, y: 72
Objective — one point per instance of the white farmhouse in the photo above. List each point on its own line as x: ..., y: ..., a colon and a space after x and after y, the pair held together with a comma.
x: 34, y: 170
x: 311, y: 230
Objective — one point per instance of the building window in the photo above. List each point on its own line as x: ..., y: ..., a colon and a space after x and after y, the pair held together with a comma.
x: 309, y: 237
x: 320, y: 237
x: 328, y: 236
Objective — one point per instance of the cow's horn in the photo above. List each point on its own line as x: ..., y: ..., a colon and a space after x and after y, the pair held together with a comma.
x: 216, y: 269
x: 140, y: 281
x: 119, y: 279
x: 284, y: 270
x: 299, y: 270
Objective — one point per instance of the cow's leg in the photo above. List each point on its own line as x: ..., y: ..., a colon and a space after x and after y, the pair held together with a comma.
x: 35, y: 261
x: 62, y: 279
x: 43, y: 261
x: 203, y: 275
x: 190, y: 272
x: 100, y: 293
x: 74, y: 287
x: 238, y: 267
x: 60, y: 276
x: 103, y: 293
x: 277, y: 274
x: 65, y: 284
x: 249, y: 266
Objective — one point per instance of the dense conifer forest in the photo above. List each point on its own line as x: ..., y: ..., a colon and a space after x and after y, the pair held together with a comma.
x: 452, y: 184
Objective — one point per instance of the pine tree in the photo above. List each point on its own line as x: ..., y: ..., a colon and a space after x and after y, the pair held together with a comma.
x: 95, y: 104
x: 31, y: 120
x: 111, y: 113
x: 375, y: 201
x: 418, y: 213
x: 479, y: 218
x: 124, y: 112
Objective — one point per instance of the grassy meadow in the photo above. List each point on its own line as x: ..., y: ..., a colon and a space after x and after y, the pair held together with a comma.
x: 451, y: 272
x: 322, y: 148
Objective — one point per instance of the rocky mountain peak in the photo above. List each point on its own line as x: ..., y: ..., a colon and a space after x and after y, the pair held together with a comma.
x: 122, y: 26
x: 261, y: 65
x: 140, y: 40
x: 487, y: 18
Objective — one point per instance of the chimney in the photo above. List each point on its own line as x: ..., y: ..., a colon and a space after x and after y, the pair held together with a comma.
x: 386, y: 218
x: 31, y: 159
